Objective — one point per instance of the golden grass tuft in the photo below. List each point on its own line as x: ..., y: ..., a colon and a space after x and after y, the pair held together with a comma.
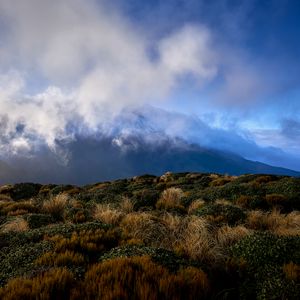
x: 107, y: 214
x: 140, y: 278
x: 145, y: 227
x: 126, y: 205
x: 170, y: 198
x: 55, y: 206
x: 227, y: 235
x: 16, y: 225
x: 197, y: 240
x: 66, y: 258
x: 53, y: 284
x: 292, y: 271
x: 274, y: 221
x: 195, y: 205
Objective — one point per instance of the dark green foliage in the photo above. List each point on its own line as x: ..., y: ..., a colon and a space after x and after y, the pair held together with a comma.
x: 265, y: 248
x: 38, y: 220
x: 265, y: 255
x: 225, y: 213
x: 161, y: 256
x: 145, y: 198
x: 23, y: 191
x: 60, y: 189
x: 18, y: 259
x: 78, y: 215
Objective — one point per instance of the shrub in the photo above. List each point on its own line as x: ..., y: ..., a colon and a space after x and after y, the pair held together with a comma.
x: 18, y: 259
x: 78, y: 214
x: 54, y: 284
x: 265, y: 254
x: 276, y: 199
x: 140, y: 278
x: 56, y: 206
x: 145, y: 198
x: 38, y: 220
x: 22, y: 191
x: 222, y: 213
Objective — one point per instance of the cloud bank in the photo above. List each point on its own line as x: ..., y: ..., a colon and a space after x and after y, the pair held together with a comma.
x: 66, y: 62
x: 80, y: 68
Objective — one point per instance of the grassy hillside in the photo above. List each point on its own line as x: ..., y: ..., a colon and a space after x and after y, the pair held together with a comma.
x: 178, y: 236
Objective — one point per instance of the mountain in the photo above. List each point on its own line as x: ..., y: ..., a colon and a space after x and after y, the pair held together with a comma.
x: 107, y: 158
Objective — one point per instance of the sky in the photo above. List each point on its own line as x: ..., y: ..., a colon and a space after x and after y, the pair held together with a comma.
x: 222, y: 74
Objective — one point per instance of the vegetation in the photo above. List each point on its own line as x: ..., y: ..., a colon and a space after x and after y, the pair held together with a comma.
x: 178, y: 236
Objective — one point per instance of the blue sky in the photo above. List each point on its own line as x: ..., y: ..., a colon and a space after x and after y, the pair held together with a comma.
x: 232, y: 64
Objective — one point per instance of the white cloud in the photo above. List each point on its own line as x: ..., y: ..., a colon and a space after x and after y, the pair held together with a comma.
x: 94, y: 61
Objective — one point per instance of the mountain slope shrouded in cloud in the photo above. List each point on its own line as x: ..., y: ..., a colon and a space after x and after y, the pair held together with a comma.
x: 93, y: 90
x: 99, y: 159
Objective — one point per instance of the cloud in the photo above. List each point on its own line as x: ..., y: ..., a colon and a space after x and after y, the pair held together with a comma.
x: 88, y: 62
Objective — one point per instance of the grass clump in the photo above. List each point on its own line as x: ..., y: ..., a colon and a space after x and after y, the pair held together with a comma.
x: 140, y: 278
x: 55, y: 206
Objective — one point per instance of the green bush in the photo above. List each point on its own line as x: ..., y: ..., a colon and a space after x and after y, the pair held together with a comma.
x: 38, y: 220
x: 23, y: 191
x: 264, y: 255
x: 224, y: 213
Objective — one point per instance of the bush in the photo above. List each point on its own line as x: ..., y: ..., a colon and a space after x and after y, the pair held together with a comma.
x: 24, y: 191
x: 38, y: 220
x: 222, y: 213
x: 145, y: 198
x: 264, y: 255
x: 18, y: 259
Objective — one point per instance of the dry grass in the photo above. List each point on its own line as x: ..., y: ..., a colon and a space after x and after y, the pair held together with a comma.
x: 223, y: 202
x: 107, y: 214
x: 55, y: 206
x: 227, y: 235
x: 274, y: 221
x: 126, y: 205
x: 198, y: 242
x: 141, y: 278
x: 292, y: 271
x: 170, y: 198
x: 195, y: 205
x: 145, y: 227
x: 16, y: 225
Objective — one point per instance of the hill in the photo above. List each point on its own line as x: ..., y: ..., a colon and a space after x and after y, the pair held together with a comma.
x: 89, y: 159
x: 176, y: 236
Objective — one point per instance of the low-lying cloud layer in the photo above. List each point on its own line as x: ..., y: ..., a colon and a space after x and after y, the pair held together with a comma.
x: 80, y: 68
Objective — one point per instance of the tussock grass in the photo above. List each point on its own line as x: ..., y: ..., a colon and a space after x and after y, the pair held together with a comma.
x: 16, y: 225
x: 107, y: 214
x: 195, y: 205
x: 55, y: 206
x: 140, y: 278
x: 126, y: 205
x: 227, y: 235
x: 274, y: 221
x: 170, y: 198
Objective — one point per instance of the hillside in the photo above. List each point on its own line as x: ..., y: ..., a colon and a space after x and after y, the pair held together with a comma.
x: 108, y: 158
x: 175, y: 236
